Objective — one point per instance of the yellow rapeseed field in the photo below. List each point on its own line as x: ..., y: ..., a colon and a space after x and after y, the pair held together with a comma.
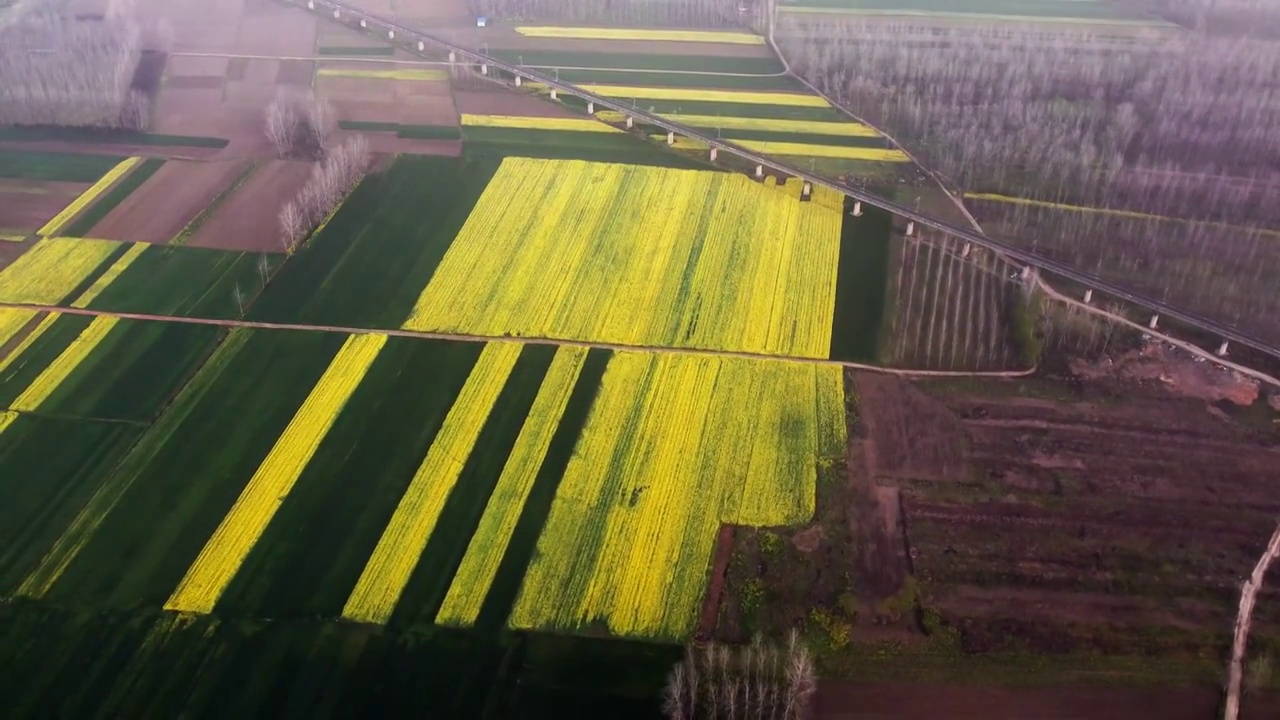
x: 812, y: 127
x: 110, y: 275
x: 674, y: 446
x: 29, y: 340
x: 80, y: 203
x: 537, y: 123
x: 417, y: 74
x: 702, y: 94
x: 640, y: 256
x: 387, y: 572
x: 12, y: 238
x: 50, y: 270
x: 52, y: 376
x: 597, y: 33
x: 236, y: 535
x: 12, y: 320
x: 484, y: 553
x: 6, y: 419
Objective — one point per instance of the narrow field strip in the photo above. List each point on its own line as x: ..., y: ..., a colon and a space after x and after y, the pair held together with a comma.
x: 674, y: 446
x: 29, y: 340
x: 398, y: 74
x: 484, y: 555
x: 771, y: 147
x: 12, y: 238
x: 223, y: 554
x: 88, y: 196
x: 6, y: 419
x: 724, y: 96
x: 536, y: 123
x: 12, y: 320
x: 53, y: 269
x: 113, y: 272
x: 728, y: 122
x: 977, y: 16
x: 388, y: 570
x: 1116, y: 212
x: 595, y: 33
x: 57, y: 371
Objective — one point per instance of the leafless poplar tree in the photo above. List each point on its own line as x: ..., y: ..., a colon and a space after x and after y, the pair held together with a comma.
x: 299, y: 125
x: 331, y: 180
x: 754, y: 681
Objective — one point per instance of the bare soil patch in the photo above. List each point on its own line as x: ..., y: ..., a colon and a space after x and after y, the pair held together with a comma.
x: 197, y: 65
x: 276, y: 29
x: 195, y: 82
x: 27, y: 205
x: 247, y: 220
x: 295, y: 72
x: 426, y: 111
x: 911, y: 435
x: 389, y: 144
x: 168, y: 201
x: 343, y: 89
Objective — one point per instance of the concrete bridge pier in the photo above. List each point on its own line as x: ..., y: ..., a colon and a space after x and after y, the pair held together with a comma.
x: 311, y: 4
x: 391, y: 34
x: 806, y: 191
x: 968, y: 248
x: 1222, y: 349
x: 1088, y: 296
x: 452, y: 57
x: 519, y: 80
x: 553, y: 93
x: 336, y: 15
x: 671, y: 138
x: 857, y: 208
x: 759, y: 172
x: 713, y: 153
x: 363, y: 25
x: 631, y: 122
x: 911, y: 228
x: 484, y: 69
x: 421, y: 46
x: 1155, y: 320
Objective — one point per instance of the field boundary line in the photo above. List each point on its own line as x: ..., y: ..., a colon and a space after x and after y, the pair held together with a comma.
x: 461, y: 337
x: 1038, y: 280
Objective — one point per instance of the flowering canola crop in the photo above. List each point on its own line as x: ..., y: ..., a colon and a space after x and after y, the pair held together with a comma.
x: 48, y: 272
x: 641, y: 256
x: 537, y: 123
x: 387, y: 572
x: 6, y: 419
x: 730, y: 122
x: 484, y: 553
x: 702, y: 94
x: 52, y: 376
x: 397, y: 74
x: 12, y: 320
x: 598, y: 33
x: 676, y: 445
x: 29, y: 340
x: 223, y: 554
x: 88, y: 196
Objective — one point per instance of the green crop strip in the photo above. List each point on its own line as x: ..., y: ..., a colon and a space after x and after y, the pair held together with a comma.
x: 63, y: 167
x: 199, y: 220
x: 92, y: 136
x: 861, y: 282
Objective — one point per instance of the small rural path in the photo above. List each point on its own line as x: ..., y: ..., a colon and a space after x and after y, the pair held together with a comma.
x: 461, y: 337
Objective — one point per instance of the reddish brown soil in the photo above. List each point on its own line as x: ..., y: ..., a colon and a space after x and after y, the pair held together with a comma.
x: 1175, y: 368
x: 911, y: 435
x: 173, y: 197
x: 715, y: 584
x: 930, y: 702
x: 26, y: 205
x: 9, y: 251
x: 247, y: 220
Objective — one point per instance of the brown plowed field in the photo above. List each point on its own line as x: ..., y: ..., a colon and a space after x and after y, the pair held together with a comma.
x: 26, y: 205
x: 173, y: 197
x: 1113, y: 527
x: 247, y: 220
x: 507, y: 102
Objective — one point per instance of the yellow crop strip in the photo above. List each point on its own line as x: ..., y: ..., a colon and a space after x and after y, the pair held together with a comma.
x: 770, y: 147
x: 416, y: 74
x: 113, y: 272
x: 471, y: 582
x: 57, y: 371
x: 536, y: 123
x: 236, y: 535
x: 726, y: 96
x: 80, y: 203
x: 674, y: 446
x: 596, y: 33
x: 12, y: 320
x: 12, y: 238
x: 640, y: 256
x: 387, y: 573
x: 29, y: 340
x: 812, y: 127
x: 49, y: 271
x: 6, y: 419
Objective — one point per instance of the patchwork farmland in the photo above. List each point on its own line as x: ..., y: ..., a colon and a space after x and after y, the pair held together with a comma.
x: 534, y: 402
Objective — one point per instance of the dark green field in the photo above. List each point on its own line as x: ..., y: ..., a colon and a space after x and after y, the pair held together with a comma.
x: 93, y: 136
x: 65, y: 167
x: 659, y: 78
x: 21, y: 370
x: 314, y: 549
x: 188, y: 282
x: 862, y: 283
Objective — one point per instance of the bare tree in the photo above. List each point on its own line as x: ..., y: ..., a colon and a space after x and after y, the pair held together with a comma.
x: 293, y: 225
x: 299, y: 125
x: 754, y: 681
x: 1240, y: 641
x: 331, y: 180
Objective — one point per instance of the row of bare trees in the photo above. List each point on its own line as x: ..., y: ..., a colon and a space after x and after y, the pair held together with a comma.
x: 759, y: 680
x: 332, y: 179
x: 1256, y: 18
x: 56, y: 70
x: 299, y: 125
